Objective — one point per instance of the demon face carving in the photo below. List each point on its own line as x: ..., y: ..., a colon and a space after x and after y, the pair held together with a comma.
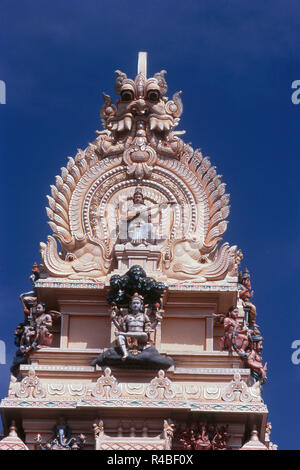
x: 141, y: 122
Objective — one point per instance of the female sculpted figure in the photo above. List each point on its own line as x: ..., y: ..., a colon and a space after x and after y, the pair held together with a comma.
x: 43, y: 322
x: 235, y: 338
x: 246, y: 294
x: 135, y: 223
x: 138, y: 222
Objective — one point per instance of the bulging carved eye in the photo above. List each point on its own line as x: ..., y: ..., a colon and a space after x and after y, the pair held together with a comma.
x: 127, y: 95
x: 153, y: 95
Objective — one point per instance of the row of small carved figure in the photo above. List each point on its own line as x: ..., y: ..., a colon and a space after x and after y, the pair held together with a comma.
x: 195, y: 436
x: 244, y: 339
x: 200, y: 436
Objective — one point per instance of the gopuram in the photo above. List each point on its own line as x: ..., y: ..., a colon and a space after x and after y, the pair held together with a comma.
x: 139, y: 330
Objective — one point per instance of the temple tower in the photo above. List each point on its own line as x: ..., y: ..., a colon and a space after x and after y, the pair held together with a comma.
x: 139, y: 331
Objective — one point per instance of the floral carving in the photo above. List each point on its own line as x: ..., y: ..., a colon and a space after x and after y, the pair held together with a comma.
x: 31, y: 387
x: 236, y: 390
x: 107, y: 386
x: 160, y: 387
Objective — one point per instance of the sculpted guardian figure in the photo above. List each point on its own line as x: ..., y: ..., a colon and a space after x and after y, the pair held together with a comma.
x: 236, y: 338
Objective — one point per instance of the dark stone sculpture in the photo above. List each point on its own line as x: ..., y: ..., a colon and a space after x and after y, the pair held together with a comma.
x: 62, y: 438
x: 134, y: 348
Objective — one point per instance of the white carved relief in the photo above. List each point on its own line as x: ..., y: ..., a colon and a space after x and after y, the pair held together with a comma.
x: 30, y: 387
x: 107, y: 386
x: 192, y: 391
x: 212, y: 392
x: 56, y: 389
x: 134, y: 389
x: 77, y: 390
x: 237, y: 390
x: 160, y: 387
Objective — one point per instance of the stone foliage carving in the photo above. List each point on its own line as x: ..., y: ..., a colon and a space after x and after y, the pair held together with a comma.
x: 139, y: 146
x: 160, y: 387
x: 107, y: 386
x: 236, y: 390
x: 30, y: 387
x: 245, y: 293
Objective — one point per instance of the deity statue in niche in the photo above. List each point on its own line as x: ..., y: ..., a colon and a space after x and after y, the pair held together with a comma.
x: 134, y: 328
x: 138, y: 222
x: 134, y: 346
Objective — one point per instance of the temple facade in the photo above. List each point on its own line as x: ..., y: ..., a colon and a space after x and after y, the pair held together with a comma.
x: 139, y: 331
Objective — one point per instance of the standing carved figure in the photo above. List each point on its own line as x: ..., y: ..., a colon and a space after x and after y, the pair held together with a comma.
x: 43, y: 324
x: 246, y: 294
x: 28, y: 299
x: 236, y: 338
x: 253, y: 359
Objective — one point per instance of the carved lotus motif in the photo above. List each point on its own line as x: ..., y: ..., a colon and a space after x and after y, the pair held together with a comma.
x: 140, y: 159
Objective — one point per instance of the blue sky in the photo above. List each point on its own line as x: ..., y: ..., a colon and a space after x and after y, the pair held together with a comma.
x: 235, y: 62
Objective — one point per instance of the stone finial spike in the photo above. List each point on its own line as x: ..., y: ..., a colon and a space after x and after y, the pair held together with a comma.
x: 142, y: 63
x: 13, y: 429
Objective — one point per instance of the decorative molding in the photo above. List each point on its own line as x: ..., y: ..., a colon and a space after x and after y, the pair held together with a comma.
x: 192, y: 391
x: 212, y: 392
x: 56, y: 389
x: 191, y: 405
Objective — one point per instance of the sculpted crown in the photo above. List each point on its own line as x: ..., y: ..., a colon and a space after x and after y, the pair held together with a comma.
x: 137, y: 296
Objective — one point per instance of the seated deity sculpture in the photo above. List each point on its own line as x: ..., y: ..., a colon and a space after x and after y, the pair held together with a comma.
x: 134, y: 328
x: 134, y: 346
x: 136, y: 224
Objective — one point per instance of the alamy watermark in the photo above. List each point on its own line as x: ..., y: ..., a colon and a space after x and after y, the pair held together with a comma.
x: 296, y: 354
x: 2, y: 92
x: 296, y: 94
x: 2, y: 353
